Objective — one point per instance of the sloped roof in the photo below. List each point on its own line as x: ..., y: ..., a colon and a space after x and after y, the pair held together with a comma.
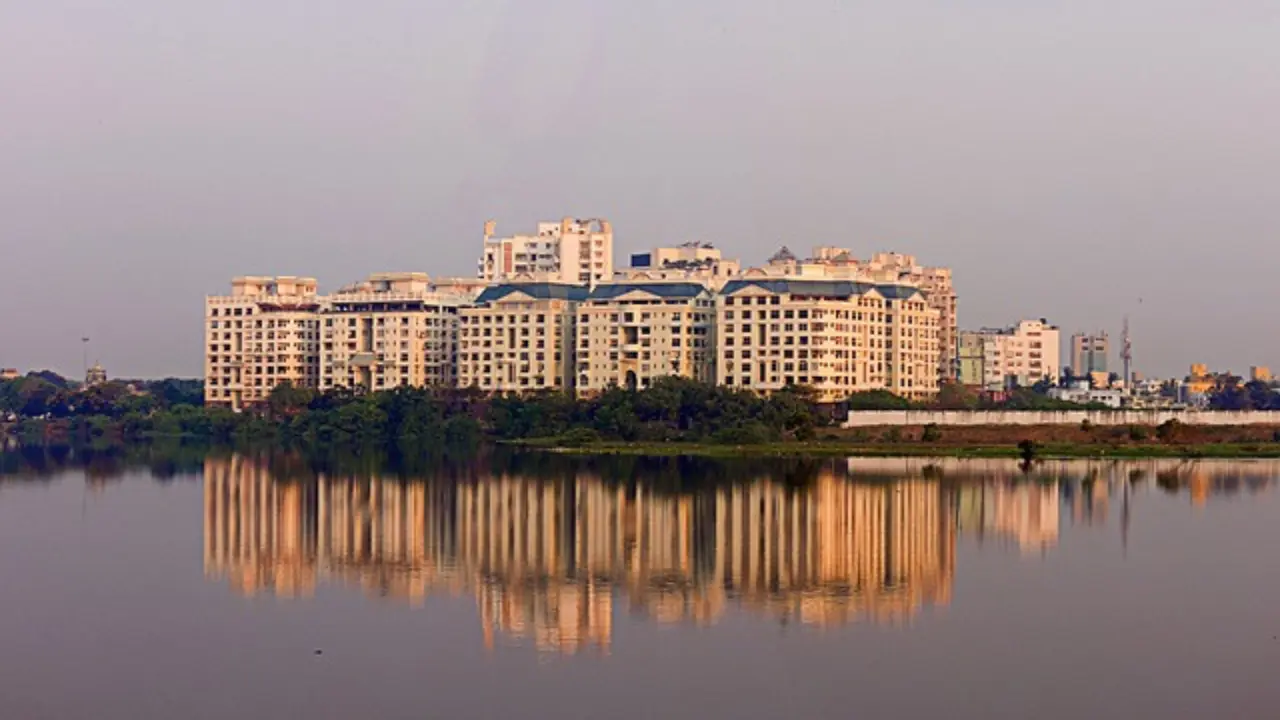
x: 898, y: 292
x: 664, y: 290
x: 822, y: 288
x: 537, y: 291
x: 826, y: 288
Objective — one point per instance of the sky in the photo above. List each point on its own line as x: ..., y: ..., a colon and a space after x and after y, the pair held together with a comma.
x: 1075, y: 160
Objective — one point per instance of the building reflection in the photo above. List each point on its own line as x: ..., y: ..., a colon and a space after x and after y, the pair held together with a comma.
x: 547, y: 559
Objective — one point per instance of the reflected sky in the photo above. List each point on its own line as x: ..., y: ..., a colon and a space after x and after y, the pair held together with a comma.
x: 147, y: 587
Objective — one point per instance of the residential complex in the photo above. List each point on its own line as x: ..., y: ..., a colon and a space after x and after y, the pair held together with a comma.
x: 1022, y: 355
x: 265, y: 333
x: 1089, y: 354
x: 519, y: 338
x: 548, y: 312
x: 630, y: 333
x: 391, y: 330
x: 570, y: 251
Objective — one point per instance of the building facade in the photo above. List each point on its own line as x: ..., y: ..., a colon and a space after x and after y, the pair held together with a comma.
x: 570, y: 251
x: 1089, y: 354
x: 891, y: 269
x: 391, y: 330
x: 630, y: 333
x: 265, y: 333
x: 1018, y: 356
x: 835, y: 336
x: 519, y: 337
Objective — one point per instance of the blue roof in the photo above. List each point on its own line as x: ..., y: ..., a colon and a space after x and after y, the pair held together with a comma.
x: 898, y: 292
x: 822, y: 288
x: 537, y: 291
x: 664, y: 290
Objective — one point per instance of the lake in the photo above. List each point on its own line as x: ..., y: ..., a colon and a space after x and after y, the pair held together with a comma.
x: 276, y: 586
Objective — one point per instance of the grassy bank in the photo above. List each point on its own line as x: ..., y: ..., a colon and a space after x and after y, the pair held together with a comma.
x: 833, y: 448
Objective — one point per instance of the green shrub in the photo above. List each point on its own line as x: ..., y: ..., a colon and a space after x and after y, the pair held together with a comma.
x: 579, y: 437
x: 1137, y: 433
x: 932, y: 433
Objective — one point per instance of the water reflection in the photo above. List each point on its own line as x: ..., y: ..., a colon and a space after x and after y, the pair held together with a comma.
x: 552, y: 550
x: 546, y: 555
x: 547, y: 558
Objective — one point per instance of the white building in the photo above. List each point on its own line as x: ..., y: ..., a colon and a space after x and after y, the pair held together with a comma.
x: 391, y: 330
x: 835, y: 336
x: 630, y: 333
x: 519, y: 337
x: 1022, y: 355
x: 266, y: 332
x: 1082, y: 393
x: 570, y: 251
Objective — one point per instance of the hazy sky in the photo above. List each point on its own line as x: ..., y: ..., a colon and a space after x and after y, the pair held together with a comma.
x: 1065, y: 157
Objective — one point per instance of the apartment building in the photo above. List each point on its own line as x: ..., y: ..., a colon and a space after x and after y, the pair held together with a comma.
x: 266, y: 332
x: 700, y: 262
x: 836, y: 336
x: 393, y: 329
x: 1089, y: 354
x: 1021, y: 355
x: 935, y: 283
x: 629, y: 333
x: 570, y: 251
x: 519, y: 337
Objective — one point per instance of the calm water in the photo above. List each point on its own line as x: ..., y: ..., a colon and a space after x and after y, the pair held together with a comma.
x: 550, y: 587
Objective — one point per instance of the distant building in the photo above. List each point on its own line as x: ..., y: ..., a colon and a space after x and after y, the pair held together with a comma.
x: 96, y: 375
x: 1260, y: 373
x: 972, y: 360
x: 630, y: 333
x: 1022, y: 355
x: 9, y: 374
x: 1089, y: 354
x: 570, y: 251
x: 265, y: 333
x: 690, y: 261
x: 1080, y: 393
x: 519, y: 337
x: 388, y: 331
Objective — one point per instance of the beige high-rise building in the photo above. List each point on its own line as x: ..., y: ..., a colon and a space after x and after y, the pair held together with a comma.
x: 265, y: 333
x: 630, y: 333
x: 886, y: 268
x: 520, y: 338
x: 1022, y: 355
x: 570, y: 251
x: 835, y: 336
x: 391, y: 330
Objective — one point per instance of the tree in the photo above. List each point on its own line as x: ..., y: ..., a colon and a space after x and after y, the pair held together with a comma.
x: 878, y: 400
x: 285, y: 400
x: 954, y: 396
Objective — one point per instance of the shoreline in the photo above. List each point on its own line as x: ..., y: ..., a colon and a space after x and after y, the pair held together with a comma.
x: 827, y: 449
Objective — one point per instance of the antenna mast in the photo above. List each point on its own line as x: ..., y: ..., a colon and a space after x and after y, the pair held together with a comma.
x: 1126, y: 354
